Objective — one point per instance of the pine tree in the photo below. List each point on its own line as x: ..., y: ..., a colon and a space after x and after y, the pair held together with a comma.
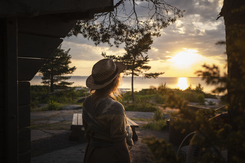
x: 56, y: 66
x: 135, y: 60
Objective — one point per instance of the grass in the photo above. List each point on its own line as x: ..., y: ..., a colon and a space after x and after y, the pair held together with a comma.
x: 41, y: 95
x: 64, y: 125
x: 156, y: 125
x: 146, y: 100
x: 158, y: 122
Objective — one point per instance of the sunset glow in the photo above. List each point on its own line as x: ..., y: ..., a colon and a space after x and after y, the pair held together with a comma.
x: 182, y: 49
x: 185, y: 59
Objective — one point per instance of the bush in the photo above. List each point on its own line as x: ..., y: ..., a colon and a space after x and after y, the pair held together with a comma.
x: 200, y: 98
x: 160, y: 99
x: 144, y: 107
x: 158, y: 115
x: 156, y: 125
x: 53, y: 105
x: 161, y: 150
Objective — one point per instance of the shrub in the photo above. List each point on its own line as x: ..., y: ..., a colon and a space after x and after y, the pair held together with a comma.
x: 161, y: 150
x: 53, y: 105
x: 144, y: 107
x: 211, y: 103
x: 156, y: 125
x: 200, y: 98
x: 160, y: 99
x: 158, y: 115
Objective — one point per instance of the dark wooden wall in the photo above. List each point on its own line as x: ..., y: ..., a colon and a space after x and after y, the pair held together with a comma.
x: 2, y: 126
x: 25, y: 44
x: 9, y: 90
x: 26, y: 41
x: 37, y: 39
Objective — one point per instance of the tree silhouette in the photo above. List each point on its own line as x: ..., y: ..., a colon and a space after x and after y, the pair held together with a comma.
x: 233, y: 12
x: 56, y: 66
x: 135, y: 60
x: 127, y: 17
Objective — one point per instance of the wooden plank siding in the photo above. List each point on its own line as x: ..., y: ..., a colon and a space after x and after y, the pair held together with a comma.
x: 24, y: 93
x: 43, y: 7
x: 2, y: 126
x: 24, y: 116
x: 2, y: 145
x: 27, y: 68
x: 37, y: 46
x: 1, y: 98
x: 24, y: 122
x: 51, y: 26
x: 11, y: 91
x: 29, y: 32
x: 24, y: 140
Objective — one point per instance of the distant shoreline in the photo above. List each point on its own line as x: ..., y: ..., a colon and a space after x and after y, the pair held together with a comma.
x: 142, y: 83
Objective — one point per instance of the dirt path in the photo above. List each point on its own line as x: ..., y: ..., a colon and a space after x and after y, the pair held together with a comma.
x: 140, y: 152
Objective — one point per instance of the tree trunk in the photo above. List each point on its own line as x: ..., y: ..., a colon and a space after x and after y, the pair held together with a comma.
x: 52, y: 79
x: 235, y: 39
x: 132, y: 86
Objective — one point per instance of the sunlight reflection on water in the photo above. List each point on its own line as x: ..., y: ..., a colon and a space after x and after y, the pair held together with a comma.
x: 182, y: 83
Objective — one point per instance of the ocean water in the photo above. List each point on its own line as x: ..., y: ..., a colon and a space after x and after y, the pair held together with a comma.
x: 142, y: 83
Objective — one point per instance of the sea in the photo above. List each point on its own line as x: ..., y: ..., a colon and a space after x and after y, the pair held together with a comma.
x: 142, y: 83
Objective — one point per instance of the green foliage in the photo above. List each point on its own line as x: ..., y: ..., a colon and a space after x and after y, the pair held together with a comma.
x: 36, y: 93
x: 161, y: 150
x: 211, y: 103
x: 160, y: 99
x: 200, y: 98
x: 158, y: 115
x: 52, y: 105
x: 56, y: 66
x: 40, y: 95
x: 141, y: 106
x: 158, y: 122
x: 156, y: 125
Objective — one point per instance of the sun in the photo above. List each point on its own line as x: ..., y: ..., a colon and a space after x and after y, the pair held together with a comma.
x: 185, y: 59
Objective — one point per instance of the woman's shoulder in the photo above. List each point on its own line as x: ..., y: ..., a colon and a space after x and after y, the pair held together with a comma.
x: 111, y: 106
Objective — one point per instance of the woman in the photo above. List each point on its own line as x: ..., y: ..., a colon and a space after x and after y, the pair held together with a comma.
x: 104, y: 119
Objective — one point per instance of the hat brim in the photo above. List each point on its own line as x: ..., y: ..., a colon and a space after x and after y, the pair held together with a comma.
x: 90, y: 80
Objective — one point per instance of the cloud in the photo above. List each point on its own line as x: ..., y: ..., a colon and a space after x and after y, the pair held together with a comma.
x: 82, y: 51
x: 198, y: 30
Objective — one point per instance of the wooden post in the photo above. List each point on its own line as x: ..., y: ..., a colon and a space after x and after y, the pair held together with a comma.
x: 11, y: 91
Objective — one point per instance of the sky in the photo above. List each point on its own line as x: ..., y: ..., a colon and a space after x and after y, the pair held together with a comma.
x: 180, y: 51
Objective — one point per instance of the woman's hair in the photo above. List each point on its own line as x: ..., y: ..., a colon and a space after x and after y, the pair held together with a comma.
x: 109, y: 90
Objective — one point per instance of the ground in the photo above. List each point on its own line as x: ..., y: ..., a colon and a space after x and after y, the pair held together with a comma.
x: 140, y: 152
x: 60, y: 140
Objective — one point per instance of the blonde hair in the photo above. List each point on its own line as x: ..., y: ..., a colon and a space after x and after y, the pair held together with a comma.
x: 109, y: 90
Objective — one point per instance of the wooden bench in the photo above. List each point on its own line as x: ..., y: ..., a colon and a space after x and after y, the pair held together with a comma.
x: 78, y: 131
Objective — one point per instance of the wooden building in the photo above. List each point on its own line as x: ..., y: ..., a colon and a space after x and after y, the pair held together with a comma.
x: 30, y: 30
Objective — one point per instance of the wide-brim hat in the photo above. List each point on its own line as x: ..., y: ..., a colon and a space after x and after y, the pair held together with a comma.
x: 103, y: 73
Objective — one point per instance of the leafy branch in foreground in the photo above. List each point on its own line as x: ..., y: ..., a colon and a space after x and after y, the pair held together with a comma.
x: 161, y: 150
x: 212, y: 76
x: 129, y: 20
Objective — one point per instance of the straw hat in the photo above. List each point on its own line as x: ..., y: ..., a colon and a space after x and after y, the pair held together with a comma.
x: 103, y: 73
